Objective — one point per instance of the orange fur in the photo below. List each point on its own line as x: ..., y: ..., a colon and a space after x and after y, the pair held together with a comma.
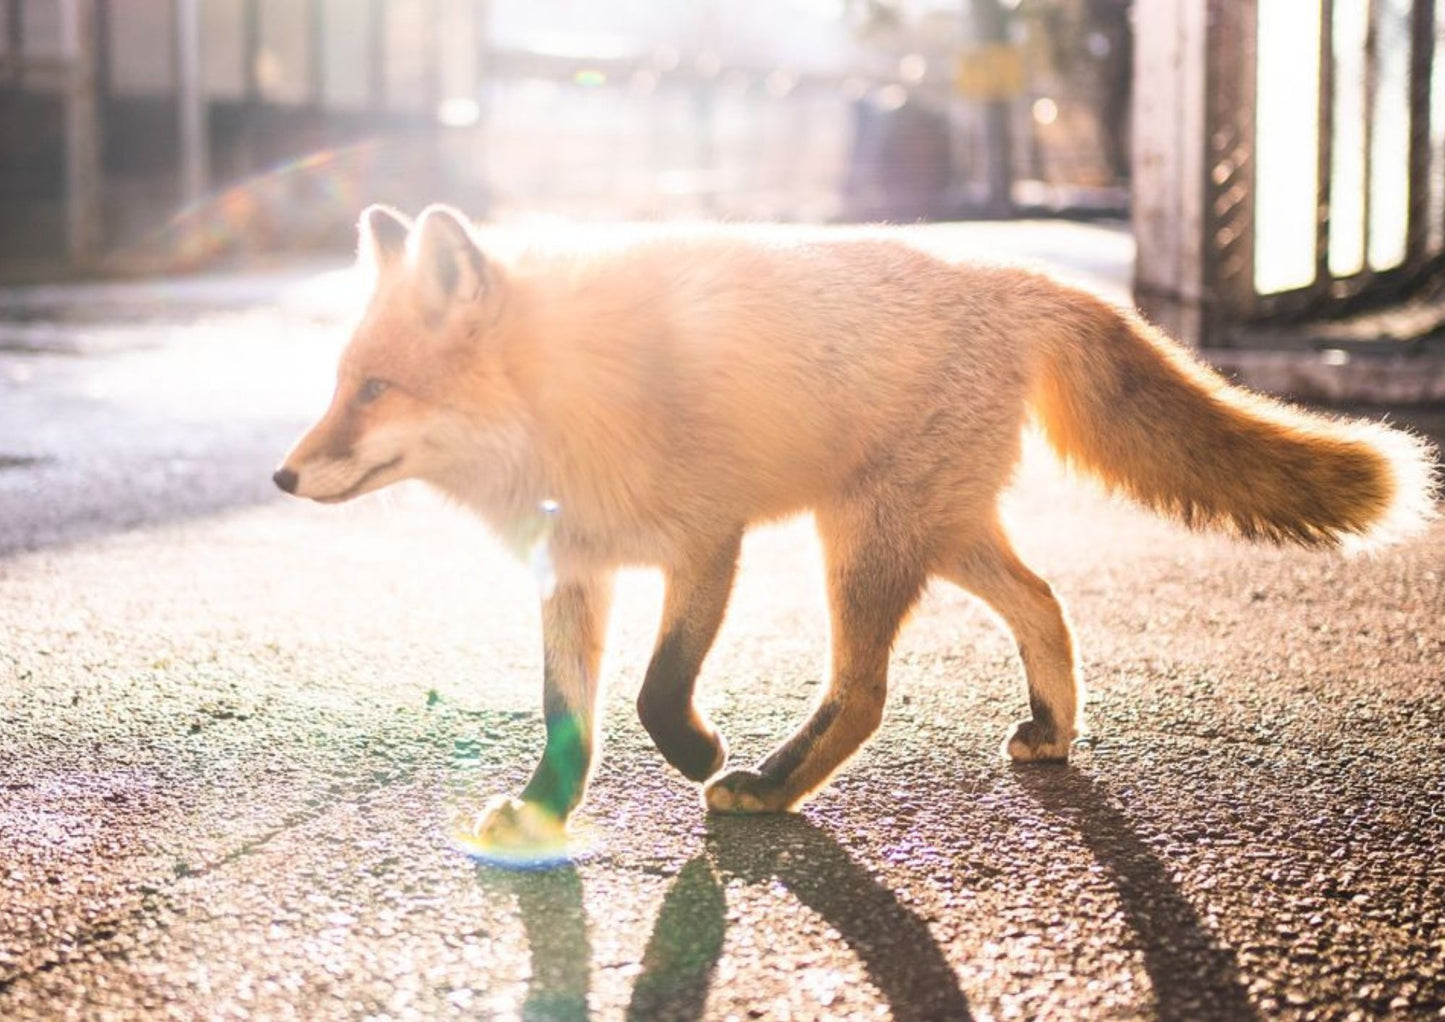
x: 1126, y: 404
x: 668, y: 388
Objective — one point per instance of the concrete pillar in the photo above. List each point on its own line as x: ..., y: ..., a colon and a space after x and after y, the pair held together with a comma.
x: 1169, y: 176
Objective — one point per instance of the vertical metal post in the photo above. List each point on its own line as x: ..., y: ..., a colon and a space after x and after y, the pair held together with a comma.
x: 82, y: 134
x: 1231, y: 67
x: 191, y: 102
x: 1422, y: 54
x: 1324, y: 173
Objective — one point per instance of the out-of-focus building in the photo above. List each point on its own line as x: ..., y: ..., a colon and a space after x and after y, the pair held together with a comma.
x: 136, y: 132
x: 1286, y: 160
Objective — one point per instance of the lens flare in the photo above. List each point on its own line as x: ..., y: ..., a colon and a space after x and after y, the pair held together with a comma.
x: 525, y: 848
x: 544, y: 568
x: 260, y: 211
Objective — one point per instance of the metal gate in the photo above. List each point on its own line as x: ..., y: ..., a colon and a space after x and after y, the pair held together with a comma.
x: 1290, y: 159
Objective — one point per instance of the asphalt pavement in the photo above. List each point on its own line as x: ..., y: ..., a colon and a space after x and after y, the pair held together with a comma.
x: 235, y: 732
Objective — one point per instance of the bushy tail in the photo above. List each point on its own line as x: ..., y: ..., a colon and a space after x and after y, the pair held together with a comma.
x: 1124, y: 403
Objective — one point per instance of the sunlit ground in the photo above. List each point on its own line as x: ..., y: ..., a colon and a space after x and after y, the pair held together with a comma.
x: 239, y: 729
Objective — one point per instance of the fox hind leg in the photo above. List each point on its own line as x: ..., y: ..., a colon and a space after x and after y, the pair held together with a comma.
x: 873, y: 579
x: 993, y: 572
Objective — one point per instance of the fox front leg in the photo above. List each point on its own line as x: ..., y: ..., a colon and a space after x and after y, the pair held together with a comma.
x: 574, y: 625
x: 697, y: 596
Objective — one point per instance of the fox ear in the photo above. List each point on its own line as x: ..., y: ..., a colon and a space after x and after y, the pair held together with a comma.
x: 450, y: 268
x: 381, y: 236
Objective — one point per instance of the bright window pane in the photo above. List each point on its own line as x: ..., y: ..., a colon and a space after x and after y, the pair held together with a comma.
x: 1347, y: 154
x: 1286, y: 146
x: 1390, y: 142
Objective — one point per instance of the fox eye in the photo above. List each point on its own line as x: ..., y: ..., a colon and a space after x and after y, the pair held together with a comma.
x: 371, y: 390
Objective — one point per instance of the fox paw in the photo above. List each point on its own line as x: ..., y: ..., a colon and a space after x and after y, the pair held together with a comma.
x: 685, y: 738
x: 743, y: 791
x: 510, y: 829
x: 701, y: 758
x: 1032, y: 742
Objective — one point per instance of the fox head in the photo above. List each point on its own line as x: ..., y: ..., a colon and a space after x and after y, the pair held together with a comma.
x: 422, y: 384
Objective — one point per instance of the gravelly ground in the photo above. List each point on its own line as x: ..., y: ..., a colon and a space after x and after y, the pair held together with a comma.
x: 233, y: 730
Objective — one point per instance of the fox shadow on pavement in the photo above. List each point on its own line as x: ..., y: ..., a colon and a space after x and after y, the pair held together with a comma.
x: 555, y: 920
x: 894, y: 943
x: 1192, y: 976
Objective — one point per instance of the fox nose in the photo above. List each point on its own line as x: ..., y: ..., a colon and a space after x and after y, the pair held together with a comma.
x: 286, y: 479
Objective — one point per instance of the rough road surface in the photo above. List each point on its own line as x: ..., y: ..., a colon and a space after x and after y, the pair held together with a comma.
x: 233, y: 730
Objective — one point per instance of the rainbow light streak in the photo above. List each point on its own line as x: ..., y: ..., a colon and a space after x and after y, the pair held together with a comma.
x: 229, y: 218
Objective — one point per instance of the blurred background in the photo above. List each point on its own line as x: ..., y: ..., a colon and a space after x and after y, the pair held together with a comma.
x: 235, y: 727
x: 793, y: 110
x: 1277, y: 162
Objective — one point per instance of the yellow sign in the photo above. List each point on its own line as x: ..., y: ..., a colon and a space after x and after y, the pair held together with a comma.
x: 990, y: 72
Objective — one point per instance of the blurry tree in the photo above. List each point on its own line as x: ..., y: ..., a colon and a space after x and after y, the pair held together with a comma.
x: 1090, y: 44
x: 1080, y: 50
x: 990, y: 21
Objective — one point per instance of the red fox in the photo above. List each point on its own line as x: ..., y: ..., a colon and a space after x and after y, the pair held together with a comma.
x: 645, y: 400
